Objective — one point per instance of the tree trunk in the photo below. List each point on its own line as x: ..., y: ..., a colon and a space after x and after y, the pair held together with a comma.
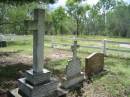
x: 61, y: 30
x: 77, y: 32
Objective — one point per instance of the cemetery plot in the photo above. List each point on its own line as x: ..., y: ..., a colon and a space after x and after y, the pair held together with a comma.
x: 37, y: 81
x: 58, y: 64
x: 115, y: 78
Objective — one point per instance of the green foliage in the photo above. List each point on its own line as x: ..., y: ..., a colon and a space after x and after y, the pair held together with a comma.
x: 21, y: 2
x: 58, y: 18
x: 107, y: 17
x: 13, y: 20
x: 78, y: 12
x: 119, y: 22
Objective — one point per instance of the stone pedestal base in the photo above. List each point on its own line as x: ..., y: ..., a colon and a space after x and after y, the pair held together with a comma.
x: 36, y: 79
x: 41, y: 90
x: 58, y: 93
x: 72, y: 82
x: 38, y: 85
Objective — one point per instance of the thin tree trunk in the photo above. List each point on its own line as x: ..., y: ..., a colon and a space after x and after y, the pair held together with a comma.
x: 77, y: 27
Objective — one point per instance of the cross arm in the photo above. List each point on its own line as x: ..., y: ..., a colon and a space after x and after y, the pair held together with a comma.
x: 30, y: 25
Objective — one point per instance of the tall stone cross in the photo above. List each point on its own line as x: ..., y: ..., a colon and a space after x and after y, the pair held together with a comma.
x: 74, y: 48
x: 38, y: 27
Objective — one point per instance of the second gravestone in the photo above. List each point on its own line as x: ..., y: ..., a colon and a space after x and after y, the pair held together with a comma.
x: 94, y: 64
x: 38, y: 81
x: 74, y: 76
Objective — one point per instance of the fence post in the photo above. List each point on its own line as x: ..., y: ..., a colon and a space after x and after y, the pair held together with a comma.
x: 104, y: 49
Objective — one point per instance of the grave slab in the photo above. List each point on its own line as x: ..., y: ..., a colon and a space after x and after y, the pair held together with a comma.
x: 74, y: 76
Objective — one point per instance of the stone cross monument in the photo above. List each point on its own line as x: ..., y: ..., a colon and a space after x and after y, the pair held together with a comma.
x: 73, y: 72
x: 38, y: 74
x: 38, y: 81
x: 37, y: 26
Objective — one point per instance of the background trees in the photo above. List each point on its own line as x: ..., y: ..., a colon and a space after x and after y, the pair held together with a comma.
x: 107, y: 17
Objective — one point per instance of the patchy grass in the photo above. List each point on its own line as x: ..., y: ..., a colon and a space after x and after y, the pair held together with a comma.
x: 24, y: 44
x: 9, y: 75
x: 114, y: 83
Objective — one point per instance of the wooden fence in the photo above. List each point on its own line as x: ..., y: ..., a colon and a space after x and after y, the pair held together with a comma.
x: 54, y: 41
x: 103, y: 47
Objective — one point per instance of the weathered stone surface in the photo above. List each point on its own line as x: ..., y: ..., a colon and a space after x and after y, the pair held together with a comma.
x: 14, y: 93
x: 30, y: 25
x: 74, y: 48
x: 40, y: 90
x: 73, y: 67
x: 38, y: 28
x: 94, y: 64
x: 57, y: 93
x: 34, y: 78
x: 73, y: 70
x: 38, y: 40
x: 72, y: 82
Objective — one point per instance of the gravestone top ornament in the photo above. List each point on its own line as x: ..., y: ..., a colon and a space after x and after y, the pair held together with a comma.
x: 74, y: 48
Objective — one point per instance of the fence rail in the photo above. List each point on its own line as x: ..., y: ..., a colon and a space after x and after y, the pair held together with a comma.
x: 103, y: 44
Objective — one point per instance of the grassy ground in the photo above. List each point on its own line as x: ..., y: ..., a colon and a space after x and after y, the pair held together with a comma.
x: 26, y: 44
x: 114, y: 82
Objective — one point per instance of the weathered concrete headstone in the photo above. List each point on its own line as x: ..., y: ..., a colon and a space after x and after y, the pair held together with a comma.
x: 3, y: 42
x: 38, y: 81
x: 74, y: 76
x: 94, y: 64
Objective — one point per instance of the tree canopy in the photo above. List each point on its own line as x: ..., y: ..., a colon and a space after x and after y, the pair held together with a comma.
x: 107, y: 17
x: 19, y: 2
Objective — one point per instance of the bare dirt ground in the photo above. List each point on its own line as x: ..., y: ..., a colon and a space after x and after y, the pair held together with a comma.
x: 11, y: 58
x: 59, y: 54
